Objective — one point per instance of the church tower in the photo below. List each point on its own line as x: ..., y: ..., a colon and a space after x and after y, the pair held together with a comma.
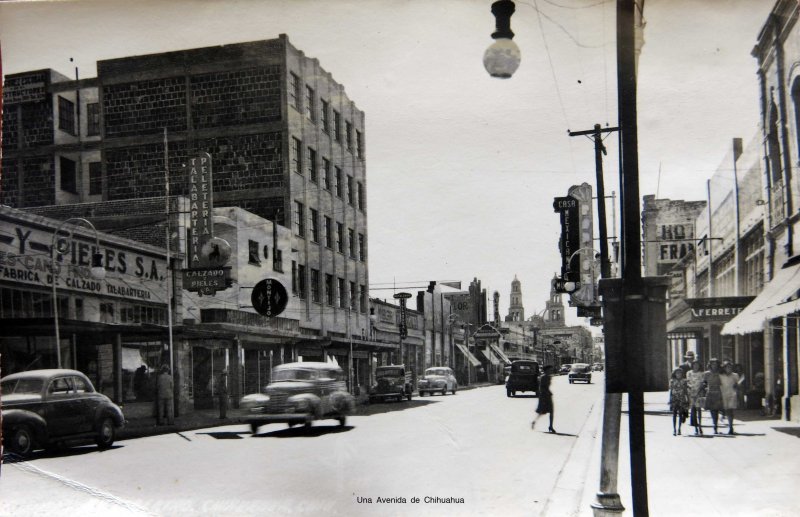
x: 555, y: 308
x: 515, y: 311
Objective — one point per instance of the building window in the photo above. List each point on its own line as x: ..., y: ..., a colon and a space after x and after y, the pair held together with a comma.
x: 362, y: 247
x: 339, y: 186
x: 93, y: 119
x: 311, y: 107
x: 294, y: 90
x: 359, y: 144
x: 106, y: 313
x: 328, y: 232
x: 360, y: 196
x: 315, y: 293
x: 296, y: 156
x: 299, y: 219
x: 351, y: 194
x: 326, y: 173
x: 294, y: 277
x: 326, y: 118
x: 351, y: 242
x: 301, y: 281
x: 340, y: 237
x: 348, y: 127
x: 95, y: 178
x: 277, y: 260
x: 69, y: 176
x: 252, y: 253
x: 329, y: 296
x: 66, y: 115
x: 342, y: 293
x: 353, y: 297
x: 314, y: 225
x: 362, y: 297
x: 337, y: 126
x: 311, y: 156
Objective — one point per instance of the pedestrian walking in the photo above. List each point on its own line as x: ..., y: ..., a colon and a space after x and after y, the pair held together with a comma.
x: 694, y: 380
x: 713, y: 383
x: 222, y: 394
x: 729, y: 385
x: 165, y: 397
x: 678, y: 399
x: 687, y: 363
x: 545, y: 398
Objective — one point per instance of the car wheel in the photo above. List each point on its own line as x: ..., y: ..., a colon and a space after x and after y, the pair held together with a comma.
x: 253, y: 428
x: 513, y: 393
x: 455, y: 388
x: 105, y: 433
x: 342, y: 421
x: 307, y: 424
x: 409, y: 397
x: 570, y: 381
x: 444, y: 391
x: 508, y: 393
x: 21, y: 442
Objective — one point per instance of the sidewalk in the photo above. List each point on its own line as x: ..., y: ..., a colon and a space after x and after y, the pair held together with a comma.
x: 202, y: 418
x: 756, y: 472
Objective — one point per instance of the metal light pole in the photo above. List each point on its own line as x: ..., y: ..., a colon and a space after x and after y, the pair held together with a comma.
x: 97, y: 269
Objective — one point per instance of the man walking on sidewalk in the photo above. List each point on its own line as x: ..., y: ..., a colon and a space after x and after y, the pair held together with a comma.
x: 165, y: 397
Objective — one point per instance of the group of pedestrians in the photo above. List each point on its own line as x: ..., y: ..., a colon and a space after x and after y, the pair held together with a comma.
x: 691, y: 390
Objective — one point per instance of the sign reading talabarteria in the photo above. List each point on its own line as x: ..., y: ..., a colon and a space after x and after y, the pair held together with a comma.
x: 201, y: 206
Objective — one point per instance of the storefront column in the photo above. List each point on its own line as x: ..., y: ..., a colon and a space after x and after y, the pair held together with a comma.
x: 118, y: 393
x: 234, y: 375
x: 787, y: 369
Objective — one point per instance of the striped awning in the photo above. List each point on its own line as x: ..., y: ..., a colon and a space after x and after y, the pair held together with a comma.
x: 471, y: 358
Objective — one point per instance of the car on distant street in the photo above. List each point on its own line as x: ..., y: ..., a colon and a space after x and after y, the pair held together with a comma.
x: 565, y: 368
x: 597, y: 367
x: 391, y: 382
x: 437, y: 379
x: 299, y: 394
x: 51, y: 408
x: 524, y: 376
x: 580, y: 372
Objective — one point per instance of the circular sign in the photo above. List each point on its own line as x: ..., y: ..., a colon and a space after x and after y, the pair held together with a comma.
x: 402, y: 295
x: 269, y: 297
x: 216, y: 251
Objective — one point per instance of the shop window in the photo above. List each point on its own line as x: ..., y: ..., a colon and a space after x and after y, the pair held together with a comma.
x: 107, y: 313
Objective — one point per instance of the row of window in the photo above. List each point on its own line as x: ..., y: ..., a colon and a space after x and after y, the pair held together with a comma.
x: 332, y: 176
x: 254, y: 257
x: 300, y: 230
x: 334, y: 292
x: 66, y: 117
x: 71, y: 177
x: 330, y: 119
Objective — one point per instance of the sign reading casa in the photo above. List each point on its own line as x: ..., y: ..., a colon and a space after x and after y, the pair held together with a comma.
x: 25, y: 258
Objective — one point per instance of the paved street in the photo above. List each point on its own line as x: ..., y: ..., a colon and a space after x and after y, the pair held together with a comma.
x: 476, y: 446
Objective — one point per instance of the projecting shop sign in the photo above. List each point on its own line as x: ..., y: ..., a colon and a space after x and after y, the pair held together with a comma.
x: 201, y: 206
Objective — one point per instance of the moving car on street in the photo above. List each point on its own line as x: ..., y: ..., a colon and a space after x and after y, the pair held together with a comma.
x: 438, y: 379
x: 524, y: 376
x: 392, y: 382
x: 299, y: 394
x: 49, y: 408
x: 580, y: 372
x: 565, y: 368
x: 597, y: 367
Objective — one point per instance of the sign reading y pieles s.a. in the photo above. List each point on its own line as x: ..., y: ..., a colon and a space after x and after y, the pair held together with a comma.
x: 201, y: 206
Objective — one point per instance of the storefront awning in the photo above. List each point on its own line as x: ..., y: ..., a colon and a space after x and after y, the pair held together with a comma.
x: 490, y: 356
x: 781, y: 296
x: 500, y: 354
x: 471, y: 358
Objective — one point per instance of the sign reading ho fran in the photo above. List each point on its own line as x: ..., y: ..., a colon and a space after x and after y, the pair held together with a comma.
x: 201, y: 205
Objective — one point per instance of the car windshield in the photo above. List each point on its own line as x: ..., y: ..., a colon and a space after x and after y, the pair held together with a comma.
x: 435, y: 371
x: 523, y: 368
x: 295, y: 375
x: 21, y: 386
x: 388, y: 372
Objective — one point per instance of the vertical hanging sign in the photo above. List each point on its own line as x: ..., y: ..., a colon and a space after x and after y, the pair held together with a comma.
x: 200, y: 206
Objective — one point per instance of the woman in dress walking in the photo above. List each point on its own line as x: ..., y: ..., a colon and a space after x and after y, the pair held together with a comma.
x: 545, y: 398
x: 729, y: 383
x: 678, y: 399
x: 713, y: 385
x: 694, y: 379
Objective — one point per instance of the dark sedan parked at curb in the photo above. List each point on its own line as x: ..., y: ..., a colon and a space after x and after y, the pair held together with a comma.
x: 391, y: 382
x: 438, y: 379
x: 580, y: 372
x: 524, y: 376
x: 299, y: 394
x: 48, y: 408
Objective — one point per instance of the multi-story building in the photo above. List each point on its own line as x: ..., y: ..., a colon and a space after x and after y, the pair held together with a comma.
x: 287, y: 145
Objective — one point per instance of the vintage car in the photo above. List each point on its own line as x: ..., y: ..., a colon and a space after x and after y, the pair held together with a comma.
x: 597, y: 367
x: 565, y: 368
x: 299, y: 394
x: 48, y: 408
x: 524, y: 376
x: 438, y: 379
x: 391, y: 382
x: 580, y: 372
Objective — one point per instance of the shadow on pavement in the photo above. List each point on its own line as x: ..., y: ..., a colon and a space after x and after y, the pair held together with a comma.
x: 794, y: 431
x: 61, y: 452
x: 386, y: 407
x: 224, y: 435
x: 304, y: 432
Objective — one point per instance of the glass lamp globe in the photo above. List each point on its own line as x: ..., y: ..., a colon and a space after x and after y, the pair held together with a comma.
x: 502, y: 58
x: 97, y: 271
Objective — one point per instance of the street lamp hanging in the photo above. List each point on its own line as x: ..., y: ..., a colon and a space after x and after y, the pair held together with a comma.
x: 502, y: 58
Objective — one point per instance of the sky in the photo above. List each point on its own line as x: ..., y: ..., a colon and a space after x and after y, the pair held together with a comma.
x: 462, y: 168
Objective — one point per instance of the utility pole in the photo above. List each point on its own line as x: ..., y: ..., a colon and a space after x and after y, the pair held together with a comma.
x: 608, y: 501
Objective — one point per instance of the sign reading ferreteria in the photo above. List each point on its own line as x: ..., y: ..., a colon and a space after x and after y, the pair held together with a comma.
x: 717, y: 309
x: 201, y: 206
